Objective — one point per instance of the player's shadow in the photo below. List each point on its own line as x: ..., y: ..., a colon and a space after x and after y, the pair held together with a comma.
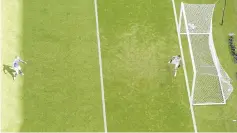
x: 8, y: 69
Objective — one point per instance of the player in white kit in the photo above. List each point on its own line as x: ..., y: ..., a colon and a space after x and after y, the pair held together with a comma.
x: 176, y: 60
x: 16, y: 66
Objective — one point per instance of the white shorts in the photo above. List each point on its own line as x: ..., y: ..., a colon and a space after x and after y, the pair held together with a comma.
x: 17, y: 69
x: 174, y: 62
x: 177, y: 65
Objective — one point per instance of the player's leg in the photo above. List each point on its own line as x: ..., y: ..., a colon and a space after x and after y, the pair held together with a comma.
x: 176, y: 69
x: 175, y: 72
x: 16, y: 73
x: 21, y: 73
x: 19, y: 68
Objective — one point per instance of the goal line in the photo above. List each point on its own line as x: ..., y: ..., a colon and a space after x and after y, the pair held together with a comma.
x: 184, y: 68
x: 195, y: 33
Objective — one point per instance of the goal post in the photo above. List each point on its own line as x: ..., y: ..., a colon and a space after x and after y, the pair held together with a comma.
x: 211, y: 85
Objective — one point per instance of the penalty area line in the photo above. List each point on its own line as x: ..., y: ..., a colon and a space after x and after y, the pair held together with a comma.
x: 100, y: 64
x: 1, y: 85
x: 184, y: 68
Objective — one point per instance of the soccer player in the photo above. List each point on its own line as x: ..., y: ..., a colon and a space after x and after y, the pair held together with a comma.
x: 16, y: 66
x: 176, y: 61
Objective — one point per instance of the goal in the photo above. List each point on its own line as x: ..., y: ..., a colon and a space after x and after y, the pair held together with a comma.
x: 211, y: 85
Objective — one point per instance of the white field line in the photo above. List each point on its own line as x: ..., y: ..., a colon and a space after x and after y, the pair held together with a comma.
x: 195, y: 33
x: 121, y: 132
x: 124, y: 132
x: 1, y: 31
x: 185, y: 70
x: 11, y: 92
x: 100, y: 63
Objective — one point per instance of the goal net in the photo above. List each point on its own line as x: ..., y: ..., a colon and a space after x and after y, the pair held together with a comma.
x: 210, y: 83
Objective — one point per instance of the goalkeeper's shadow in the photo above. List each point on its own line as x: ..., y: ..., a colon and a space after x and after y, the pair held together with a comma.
x: 8, y: 69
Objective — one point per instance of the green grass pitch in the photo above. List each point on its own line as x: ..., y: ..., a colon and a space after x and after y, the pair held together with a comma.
x: 61, y: 88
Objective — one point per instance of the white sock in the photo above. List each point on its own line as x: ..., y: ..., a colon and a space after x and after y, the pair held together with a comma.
x: 175, y: 72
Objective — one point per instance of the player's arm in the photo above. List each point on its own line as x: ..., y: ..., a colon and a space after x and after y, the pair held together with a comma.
x: 171, y: 59
x: 22, y: 61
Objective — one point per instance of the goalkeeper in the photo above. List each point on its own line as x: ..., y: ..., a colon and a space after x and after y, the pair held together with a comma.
x: 16, y: 66
x: 176, y: 61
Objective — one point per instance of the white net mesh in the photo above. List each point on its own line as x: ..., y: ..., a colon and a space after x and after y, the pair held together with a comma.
x: 201, y: 51
x: 199, y: 17
x: 225, y: 80
x: 212, y: 84
x: 207, y: 89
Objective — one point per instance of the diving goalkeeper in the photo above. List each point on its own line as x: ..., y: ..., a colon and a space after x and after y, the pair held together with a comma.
x: 176, y: 60
x: 16, y: 66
